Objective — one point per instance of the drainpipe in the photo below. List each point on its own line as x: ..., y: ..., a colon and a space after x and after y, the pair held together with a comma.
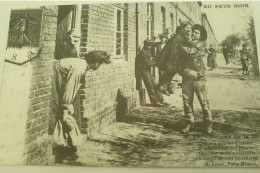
x: 137, y: 74
x: 137, y: 26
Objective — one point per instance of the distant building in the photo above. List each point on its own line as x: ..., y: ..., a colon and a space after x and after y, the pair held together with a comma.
x: 211, y: 37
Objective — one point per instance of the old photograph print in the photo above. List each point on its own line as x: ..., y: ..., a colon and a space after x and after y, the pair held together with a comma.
x: 146, y: 84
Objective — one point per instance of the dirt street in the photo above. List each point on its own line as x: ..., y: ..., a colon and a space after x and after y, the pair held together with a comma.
x: 150, y: 137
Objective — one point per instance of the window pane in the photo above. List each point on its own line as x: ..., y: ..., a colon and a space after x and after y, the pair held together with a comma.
x: 118, y: 20
x: 148, y: 29
x: 163, y: 18
x: 147, y: 9
x: 172, y: 22
x: 118, y: 43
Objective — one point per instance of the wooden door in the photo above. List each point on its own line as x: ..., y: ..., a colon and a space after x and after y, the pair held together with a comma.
x: 65, y: 14
x: 66, y: 22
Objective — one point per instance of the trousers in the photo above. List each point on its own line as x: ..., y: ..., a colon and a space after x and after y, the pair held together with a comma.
x: 69, y: 72
x: 166, y: 78
x: 152, y: 89
x: 189, y: 87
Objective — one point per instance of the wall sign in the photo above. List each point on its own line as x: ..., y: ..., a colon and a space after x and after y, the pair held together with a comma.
x: 24, y: 35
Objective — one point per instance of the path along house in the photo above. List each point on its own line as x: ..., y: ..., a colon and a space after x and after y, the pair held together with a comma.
x: 107, y: 94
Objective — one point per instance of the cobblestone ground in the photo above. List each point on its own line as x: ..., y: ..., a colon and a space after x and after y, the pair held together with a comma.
x: 149, y: 137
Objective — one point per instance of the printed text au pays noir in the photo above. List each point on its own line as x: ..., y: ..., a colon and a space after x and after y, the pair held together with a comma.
x: 227, y: 6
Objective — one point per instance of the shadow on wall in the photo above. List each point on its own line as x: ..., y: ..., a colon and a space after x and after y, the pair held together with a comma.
x: 122, y: 106
x: 54, y: 112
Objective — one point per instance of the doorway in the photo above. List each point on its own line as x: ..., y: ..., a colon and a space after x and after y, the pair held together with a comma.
x: 68, y: 18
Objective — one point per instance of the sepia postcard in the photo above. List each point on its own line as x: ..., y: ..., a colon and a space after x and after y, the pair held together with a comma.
x: 135, y: 85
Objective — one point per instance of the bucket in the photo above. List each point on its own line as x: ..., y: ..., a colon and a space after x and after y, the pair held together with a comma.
x: 173, y: 86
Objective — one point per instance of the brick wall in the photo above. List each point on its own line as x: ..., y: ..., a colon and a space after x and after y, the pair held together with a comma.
x: 190, y: 10
x: 99, y: 96
x: 26, y: 106
x: 26, y: 102
x: 38, y: 142
x: 142, y: 25
x: 211, y: 38
x: 158, y: 16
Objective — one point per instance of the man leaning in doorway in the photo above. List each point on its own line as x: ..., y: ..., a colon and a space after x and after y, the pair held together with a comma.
x: 69, y: 49
x: 69, y: 70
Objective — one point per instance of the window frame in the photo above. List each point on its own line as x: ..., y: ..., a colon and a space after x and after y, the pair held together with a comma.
x: 149, y: 21
x: 163, y: 17
x: 121, y: 31
x: 172, y: 22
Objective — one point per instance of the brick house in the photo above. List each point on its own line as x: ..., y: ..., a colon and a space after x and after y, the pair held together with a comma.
x: 211, y: 38
x: 106, y: 95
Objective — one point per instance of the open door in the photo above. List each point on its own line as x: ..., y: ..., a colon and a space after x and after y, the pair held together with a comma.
x: 67, y: 20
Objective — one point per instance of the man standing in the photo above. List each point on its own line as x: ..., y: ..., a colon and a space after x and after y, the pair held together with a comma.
x: 225, y: 54
x: 194, y: 80
x: 212, y: 54
x: 244, y: 54
x: 145, y: 64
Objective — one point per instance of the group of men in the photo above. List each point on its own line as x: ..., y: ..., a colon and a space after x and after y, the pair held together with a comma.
x: 182, y: 54
x: 244, y: 58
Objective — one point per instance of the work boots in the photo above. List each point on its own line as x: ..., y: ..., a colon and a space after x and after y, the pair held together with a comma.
x: 189, y: 127
x: 208, y: 126
x: 209, y: 130
x: 163, y: 90
x: 158, y: 104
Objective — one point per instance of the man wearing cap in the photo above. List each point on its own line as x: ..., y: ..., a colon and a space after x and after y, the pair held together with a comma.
x: 194, y: 79
x: 145, y: 64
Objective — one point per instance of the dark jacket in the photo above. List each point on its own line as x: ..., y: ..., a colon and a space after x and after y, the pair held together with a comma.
x: 192, y: 58
x: 66, y: 51
x: 144, y: 60
x: 225, y: 51
x: 170, y: 58
x: 212, y: 52
x: 244, y: 55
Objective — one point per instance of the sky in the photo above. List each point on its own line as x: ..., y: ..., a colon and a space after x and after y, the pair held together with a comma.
x: 227, y: 21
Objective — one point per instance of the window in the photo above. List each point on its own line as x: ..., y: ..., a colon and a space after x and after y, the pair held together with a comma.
x: 149, y: 10
x: 119, y: 32
x: 172, y: 22
x: 149, y: 18
x: 148, y: 29
x: 68, y: 18
x: 163, y: 19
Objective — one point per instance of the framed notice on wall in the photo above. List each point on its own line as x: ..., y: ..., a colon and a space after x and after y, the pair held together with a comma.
x: 24, y: 35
